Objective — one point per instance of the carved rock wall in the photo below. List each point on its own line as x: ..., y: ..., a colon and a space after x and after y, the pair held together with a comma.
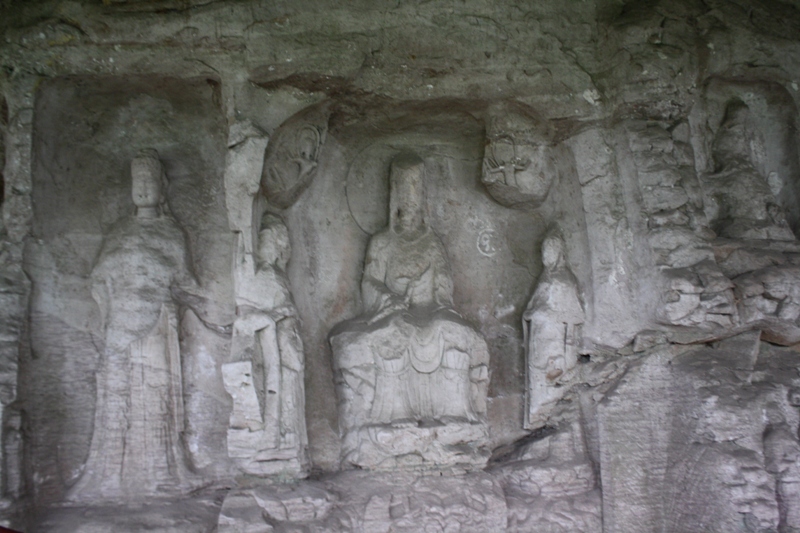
x: 657, y: 138
x: 81, y: 193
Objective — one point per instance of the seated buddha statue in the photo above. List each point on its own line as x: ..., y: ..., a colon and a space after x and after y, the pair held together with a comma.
x: 410, y: 361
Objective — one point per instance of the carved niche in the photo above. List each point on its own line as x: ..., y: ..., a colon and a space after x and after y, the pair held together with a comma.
x: 740, y: 202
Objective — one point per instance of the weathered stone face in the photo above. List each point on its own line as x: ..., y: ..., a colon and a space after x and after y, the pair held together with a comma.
x: 428, y: 266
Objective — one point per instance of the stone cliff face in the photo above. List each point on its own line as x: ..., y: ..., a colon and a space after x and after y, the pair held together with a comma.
x: 400, y: 267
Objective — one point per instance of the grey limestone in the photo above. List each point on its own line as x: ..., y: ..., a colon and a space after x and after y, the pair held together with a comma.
x: 406, y: 266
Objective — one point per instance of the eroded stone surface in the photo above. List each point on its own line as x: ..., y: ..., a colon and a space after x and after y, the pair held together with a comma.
x: 658, y: 138
x: 517, y: 166
x: 553, y: 329
x: 364, y: 502
x: 725, y: 454
x: 267, y: 427
x: 135, y: 450
x: 412, y: 374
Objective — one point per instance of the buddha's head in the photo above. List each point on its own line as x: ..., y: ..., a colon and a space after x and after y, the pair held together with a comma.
x: 273, y: 242
x: 731, y: 141
x: 794, y: 396
x: 553, y: 251
x: 407, y: 194
x: 146, y: 176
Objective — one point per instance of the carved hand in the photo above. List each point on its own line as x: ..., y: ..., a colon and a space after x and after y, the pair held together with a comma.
x: 199, y: 305
x: 388, y: 303
x: 392, y: 302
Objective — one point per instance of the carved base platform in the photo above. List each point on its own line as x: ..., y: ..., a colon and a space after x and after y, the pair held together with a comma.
x: 457, y: 446
x: 282, y: 462
x: 369, y: 502
x: 412, y: 392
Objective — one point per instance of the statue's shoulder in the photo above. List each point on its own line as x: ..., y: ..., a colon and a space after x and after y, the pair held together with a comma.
x: 169, y: 225
x: 120, y: 232
x: 165, y: 231
x: 266, y: 275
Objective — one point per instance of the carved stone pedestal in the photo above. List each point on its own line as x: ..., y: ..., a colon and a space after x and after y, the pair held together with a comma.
x: 384, y: 447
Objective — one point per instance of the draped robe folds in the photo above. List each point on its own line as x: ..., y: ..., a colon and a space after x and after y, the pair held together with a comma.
x: 422, y: 348
x: 744, y: 204
x: 551, y: 326
x: 266, y: 334
x: 550, y: 319
x: 135, y: 450
x: 411, y: 374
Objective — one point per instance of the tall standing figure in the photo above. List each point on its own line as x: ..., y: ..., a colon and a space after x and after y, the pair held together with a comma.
x: 135, y: 450
x: 267, y: 431
x: 552, y: 326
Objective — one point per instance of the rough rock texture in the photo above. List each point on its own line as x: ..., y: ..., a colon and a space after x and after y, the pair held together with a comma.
x: 411, y: 374
x: 371, y: 502
x: 578, y: 311
x: 267, y: 433
x: 706, y: 438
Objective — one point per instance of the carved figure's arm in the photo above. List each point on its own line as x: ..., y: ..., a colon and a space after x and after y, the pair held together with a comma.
x: 284, y: 311
x: 521, y: 164
x: 254, y: 320
x: 243, y: 263
x: 195, y: 298
x: 188, y: 293
x: 376, y: 296
x: 101, y: 295
x: 574, y: 311
x: 443, y: 280
x: 290, y: 344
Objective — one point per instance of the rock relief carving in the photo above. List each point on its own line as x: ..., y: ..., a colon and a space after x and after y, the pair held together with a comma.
x: 402, y: 502
x: 769, y: 298
x: 136, y: 449
x: 552, y: 326
x: 698, y: 296
x: 695, y: 291
x: 517, y: 170
x: 292, y: 156
x: 740, y: 203
x: 750, y: 287
x: 782, y: 458
x: 243, y: 165
x: 267, y: 432
x: 412, y: 374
